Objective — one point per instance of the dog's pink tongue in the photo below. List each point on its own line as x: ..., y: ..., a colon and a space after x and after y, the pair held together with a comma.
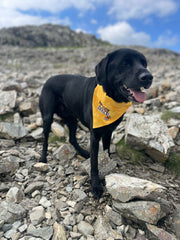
x: 138, y: 95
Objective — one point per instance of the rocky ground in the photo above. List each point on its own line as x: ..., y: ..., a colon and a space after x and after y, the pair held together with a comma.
x: 53, y: 201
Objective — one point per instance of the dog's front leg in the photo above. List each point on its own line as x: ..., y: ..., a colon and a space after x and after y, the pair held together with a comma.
x: 96, y: 187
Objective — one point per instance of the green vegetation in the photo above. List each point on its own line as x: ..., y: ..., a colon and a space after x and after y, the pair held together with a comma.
x: 125, y: 151
x: 55, y: 139
x: 167, y: 115
x: 173, y: 163
x: 6, y: 116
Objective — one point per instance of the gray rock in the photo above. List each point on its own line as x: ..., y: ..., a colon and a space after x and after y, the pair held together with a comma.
x: 11, y: 212
x: 80, y: 195
x: 1, y: 223
x: 28, y: 107
x: 44, y: 202
x: 156, y: 233
x: 23, y: 228
x: 12, y: 130
x: 9, y: 165
x: 75, y: 235
x: 59, y: 232
x: 37, y: 215
x: 176, y: 221
x: 43, y: 232
x: 64, y: 153
x: 14, y: 195
x: 114, y: 216
x: 85, y: 228
x: 10, y: 86
x: 149, y: 133
x: 33, y: 186
x: 125, y: 188
x: 41, y: 167
x: 7, y: 143
x: 103, y: 230
x: 57, y: 129
x: 8, y: 101
x: 106, y: 164
x: 10, y: 233
x: 140, y: 211
x: 176, y: 109
x: 69, y: 220
x: 60, y: 205
x: 37, y: 134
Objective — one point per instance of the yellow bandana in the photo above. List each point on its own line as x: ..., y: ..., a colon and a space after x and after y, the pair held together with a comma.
x: 105, y: 109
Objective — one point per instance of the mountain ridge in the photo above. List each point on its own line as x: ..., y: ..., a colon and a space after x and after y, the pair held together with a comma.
x: 46, y: 35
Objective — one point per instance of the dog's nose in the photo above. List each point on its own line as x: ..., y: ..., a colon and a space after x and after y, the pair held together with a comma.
x: 146, y: 77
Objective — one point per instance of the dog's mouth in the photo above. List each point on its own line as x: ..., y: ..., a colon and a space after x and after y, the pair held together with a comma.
x: 137, y: 95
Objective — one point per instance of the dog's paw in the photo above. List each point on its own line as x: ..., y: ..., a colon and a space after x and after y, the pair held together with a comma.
x: 97, y: 191
x: 43, y: 160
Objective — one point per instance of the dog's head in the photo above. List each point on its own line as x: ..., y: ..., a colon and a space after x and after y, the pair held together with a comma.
x: 124, y: 75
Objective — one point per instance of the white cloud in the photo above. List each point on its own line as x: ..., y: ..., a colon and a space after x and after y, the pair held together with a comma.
x: 52, y: 6
x: 10, y: 17
x: 167, y: 39
x: 94, y: 21
x: 11, y: 10
x: 79, y: 30
x: 140, y: 9
x: 123, y: 34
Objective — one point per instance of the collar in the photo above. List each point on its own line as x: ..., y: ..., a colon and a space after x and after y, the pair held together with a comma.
x: 105, y: 109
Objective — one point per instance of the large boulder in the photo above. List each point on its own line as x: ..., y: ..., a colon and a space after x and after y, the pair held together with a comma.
x: 12, y: 130
x: 125, y: 188
x: 149, y: 133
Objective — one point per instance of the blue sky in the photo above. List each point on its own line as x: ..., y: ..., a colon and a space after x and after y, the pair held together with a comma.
x: 150, y: 23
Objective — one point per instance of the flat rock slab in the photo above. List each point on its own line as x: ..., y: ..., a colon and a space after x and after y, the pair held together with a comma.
x: 140, y: 211
x: 156, y: 233
x: 9, y: 164
x: 42, y: 233
x: 149, y: 133
x: 103, y: 230
x: 8, y: 101
x: 124, y: 188
x: 64, y: 152
x: 12, y: 130
x: 33, y: 186
x: 11, y: 212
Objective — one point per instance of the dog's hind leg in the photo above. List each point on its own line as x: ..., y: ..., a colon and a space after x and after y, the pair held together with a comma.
x: 72, y: 125
x: 47, y: 106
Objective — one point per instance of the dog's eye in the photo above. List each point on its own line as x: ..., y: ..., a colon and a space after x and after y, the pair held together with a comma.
x: 144, y: 63
x: 126, y: 63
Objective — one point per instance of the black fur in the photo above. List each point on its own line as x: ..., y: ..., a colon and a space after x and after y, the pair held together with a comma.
x: 70, y: 97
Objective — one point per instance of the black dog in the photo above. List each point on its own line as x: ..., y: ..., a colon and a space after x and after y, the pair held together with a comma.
x: 120, y: 76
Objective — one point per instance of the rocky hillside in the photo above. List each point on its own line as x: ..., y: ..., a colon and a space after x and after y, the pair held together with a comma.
x: 46, y: 35
x: 53, y: 201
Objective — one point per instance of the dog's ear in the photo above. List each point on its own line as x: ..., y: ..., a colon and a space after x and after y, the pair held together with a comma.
x: 101, y: 70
